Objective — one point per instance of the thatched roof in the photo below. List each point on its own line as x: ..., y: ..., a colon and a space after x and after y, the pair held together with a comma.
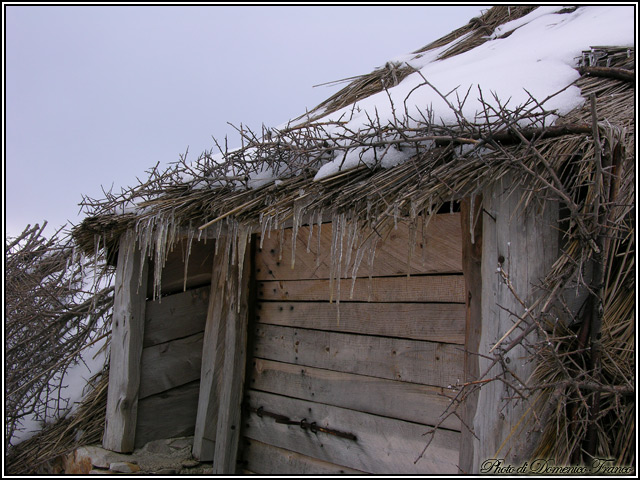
x: 192, y: 195
x: 272, y: 180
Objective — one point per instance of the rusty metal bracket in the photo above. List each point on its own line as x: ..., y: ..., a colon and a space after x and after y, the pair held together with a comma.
x: 303, y: 424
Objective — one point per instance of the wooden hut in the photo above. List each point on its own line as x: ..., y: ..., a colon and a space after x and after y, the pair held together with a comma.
x: 423, y: 317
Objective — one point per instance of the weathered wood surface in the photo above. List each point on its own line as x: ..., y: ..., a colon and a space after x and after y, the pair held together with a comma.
x: 265, y: 459
x: 173, y: 273
x: 176, y: 316
x: 234, y: 363
x: 383, y: 445
x: 168, y: 414
x: 437, y: 322
x: 438, y: 252
x: 528, y: 245
x: 212, y: 357
x: 472, y: 218
x: 429, y: 288
x: 388, y: 398
x: 169, y: 365
x: 428, y: 363
x: 126, y: 347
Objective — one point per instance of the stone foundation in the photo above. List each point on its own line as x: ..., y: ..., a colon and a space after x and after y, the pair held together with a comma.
x: 171, y: 456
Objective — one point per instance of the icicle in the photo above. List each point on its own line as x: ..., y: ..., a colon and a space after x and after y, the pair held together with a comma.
x: 186, y: 260
x: 263, y: 227
x: 339, y: 272
x: 356, y: 265
x: 243, y: 238
x: 319, y: 235
x: 335, y: 227
x: 298, y: 209
x: 413, y: 230
x: 352, y: 234
x: 233, y: 238
x: 217, y: 237
x: 471, y: 206
x: 281, y: 241
x: 310, y: 237
x: 370, y: 260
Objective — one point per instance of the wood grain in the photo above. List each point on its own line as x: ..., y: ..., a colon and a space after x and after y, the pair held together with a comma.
x: 262, y: 458
x: 171, y: 364
x: 438, y: 252
x: 438, y: 322
x: 428, y: 288
x: 427, y: 363
x: 126, y: 347
x: 526, y: 245
x: 176, y: 316
x: 383, y: 445
x: 168, y: 414
x: 388, y: 398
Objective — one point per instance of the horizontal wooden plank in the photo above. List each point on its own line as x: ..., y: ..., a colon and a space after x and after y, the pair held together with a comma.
x: 176, y: 316
x: 264, y: 459
x: 427, y: 363
x: 429, y: 288
x: 198, y: 269
x: 167, y: 414
x: 438, y: 322
x: 169, y: 365
x: 383, y: 445
x: 389, y: 398
x: 439, y: 252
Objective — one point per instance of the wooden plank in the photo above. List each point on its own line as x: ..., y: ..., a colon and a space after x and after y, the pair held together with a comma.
x: 198, y: 269
x: 169, y: 365
x: 212, y: 357
x: 437, y: 322
x: 526, y: 245
x: 168, y: 414
x: 383, y: 445
x: 441, y: 250
x: 264, y: 459
x: 234, y: 364
x: 472, y: 218
x: 429, y: 288
x: 176, y: 316
x: 427, y: 363
x: 126, y: 347
x: 389, y: 398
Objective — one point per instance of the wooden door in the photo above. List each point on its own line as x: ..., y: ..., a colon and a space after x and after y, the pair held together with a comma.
x: 355, y: 392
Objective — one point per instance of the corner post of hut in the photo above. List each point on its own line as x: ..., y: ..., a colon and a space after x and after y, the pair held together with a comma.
x: 518, y: 249
x: 126, y: 346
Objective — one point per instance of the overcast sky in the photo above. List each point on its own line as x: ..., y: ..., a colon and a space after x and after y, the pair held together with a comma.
x: 96, y: 95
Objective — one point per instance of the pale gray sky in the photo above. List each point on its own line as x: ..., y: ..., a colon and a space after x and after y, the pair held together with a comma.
x: 95, y: 95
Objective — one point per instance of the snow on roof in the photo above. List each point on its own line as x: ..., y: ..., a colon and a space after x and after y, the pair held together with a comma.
x: 536, y: 60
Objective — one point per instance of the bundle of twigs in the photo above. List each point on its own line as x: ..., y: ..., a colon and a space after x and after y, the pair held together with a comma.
x: 42, y: 453
x: 57, y: 304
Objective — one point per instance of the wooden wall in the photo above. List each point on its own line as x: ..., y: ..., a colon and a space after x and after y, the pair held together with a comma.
x: 381, y: 372
x: 172, y: 346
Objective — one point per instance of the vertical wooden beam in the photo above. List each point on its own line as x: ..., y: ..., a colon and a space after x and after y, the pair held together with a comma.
x: 224, y: 356
x: 235, y: 357
x: 126, y: 346
x: 471, y: 218
x: 212, y: 357
x: 525, y: 244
